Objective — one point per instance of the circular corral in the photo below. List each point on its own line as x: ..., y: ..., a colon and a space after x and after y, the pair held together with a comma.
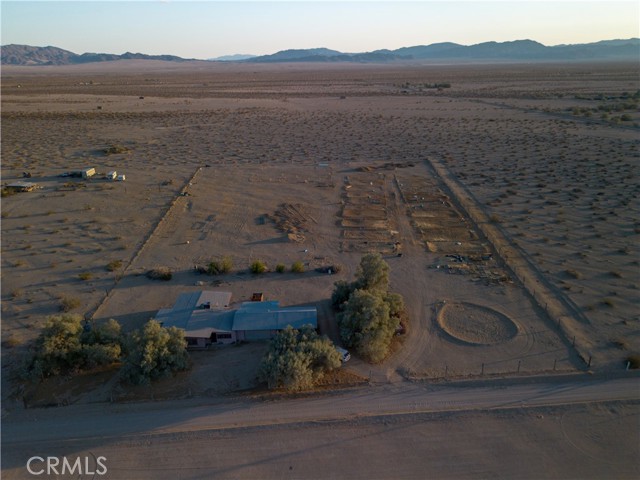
x: 475, y: 324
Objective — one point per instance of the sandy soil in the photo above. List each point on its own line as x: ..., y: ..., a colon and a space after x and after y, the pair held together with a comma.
x: 215, y: 152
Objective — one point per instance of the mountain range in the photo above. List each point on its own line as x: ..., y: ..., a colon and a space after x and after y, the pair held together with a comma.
x: 518, y: 50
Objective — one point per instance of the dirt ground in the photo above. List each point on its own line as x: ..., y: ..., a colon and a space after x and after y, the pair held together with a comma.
x: 321, y: 164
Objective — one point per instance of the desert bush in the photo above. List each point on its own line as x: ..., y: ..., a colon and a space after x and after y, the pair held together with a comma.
x: 114, y: 265
x: 258, y: 266
x: 219, y: 267
x: 573, y: 273
x: 85, y: 276
x: 115, y: 149
x: 160, y: 273
x: 297, y: 267
x: 69, y: 303
x: 280, y: 268
x: 154, y: 352
x: 298, y: 359
x: 66, y: 345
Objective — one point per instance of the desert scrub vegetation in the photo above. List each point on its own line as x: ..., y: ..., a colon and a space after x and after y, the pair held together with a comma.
x: 67, y: 344
x: 219, y: 267
x: 298, y: 359
x: 258, y: 266
x: 297, y: 267
x: 280, y: 268
x: 115, y: 149
x: 113, y: 265
x: 160, y: 273
x: 85, y: 276
x: 369, y: 315
x: 69, y: 303
x: 154, y: 352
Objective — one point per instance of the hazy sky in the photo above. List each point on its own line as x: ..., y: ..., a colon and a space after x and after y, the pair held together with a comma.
x: 213, y: 28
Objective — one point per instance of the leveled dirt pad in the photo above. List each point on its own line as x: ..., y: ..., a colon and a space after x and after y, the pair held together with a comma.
x: 476, y: 325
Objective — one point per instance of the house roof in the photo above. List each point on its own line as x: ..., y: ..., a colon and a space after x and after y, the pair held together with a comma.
x: 270, y: 316
x: 189, y: 314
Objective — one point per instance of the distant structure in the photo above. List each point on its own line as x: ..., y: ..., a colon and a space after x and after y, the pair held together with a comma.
x: 22, y: 186
x: 206, y: 318
x: 88, y: 172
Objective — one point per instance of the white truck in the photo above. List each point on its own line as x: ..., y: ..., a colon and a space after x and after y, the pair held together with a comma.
x: 344, y: 354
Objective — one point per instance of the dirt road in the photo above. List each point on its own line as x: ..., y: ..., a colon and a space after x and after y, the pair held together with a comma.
x: 111, y: 430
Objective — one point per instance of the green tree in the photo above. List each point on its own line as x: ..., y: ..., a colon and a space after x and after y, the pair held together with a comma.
x: 64, y: 345
x: 370, y: 314
x: 341, y: 293
x: 298, y: 359
x: 154, y: 352
x: 372, y: 273
x: 367, y: 325
x: 102, y: 344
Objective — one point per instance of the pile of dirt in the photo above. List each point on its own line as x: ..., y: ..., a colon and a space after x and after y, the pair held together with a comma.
x: 292, y: 219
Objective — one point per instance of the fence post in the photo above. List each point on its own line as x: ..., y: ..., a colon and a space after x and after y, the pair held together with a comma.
x: 519, y: 365
x: 482, y: 371
x: 555, y: 360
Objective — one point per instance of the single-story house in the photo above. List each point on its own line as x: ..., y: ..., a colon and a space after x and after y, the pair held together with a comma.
x: 206, y: 318
x: 88, y: 172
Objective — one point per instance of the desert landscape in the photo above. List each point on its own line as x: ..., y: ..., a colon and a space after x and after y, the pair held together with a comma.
x: 506, y: 205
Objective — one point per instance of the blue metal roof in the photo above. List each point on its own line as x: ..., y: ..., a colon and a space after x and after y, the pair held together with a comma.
x: 189, y: 314
x: 266, y: 317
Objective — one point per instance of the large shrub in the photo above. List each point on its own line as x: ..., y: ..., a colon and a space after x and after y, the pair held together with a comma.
x: 154, y: 352
x: 369, y: 314
x: 66, y: 344
x: 298, y: 359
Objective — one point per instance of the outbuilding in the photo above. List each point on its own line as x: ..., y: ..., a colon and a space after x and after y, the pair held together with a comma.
x: 88, y: 172
x: 22, y: 186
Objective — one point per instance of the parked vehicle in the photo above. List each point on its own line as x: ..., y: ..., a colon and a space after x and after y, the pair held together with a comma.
x: 345, y: 356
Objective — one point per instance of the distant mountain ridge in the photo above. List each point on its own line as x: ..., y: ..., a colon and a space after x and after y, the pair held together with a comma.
x: 232, y: 58
x: 517, y: 50
x: 527, y: 50
x: 28, y: 55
